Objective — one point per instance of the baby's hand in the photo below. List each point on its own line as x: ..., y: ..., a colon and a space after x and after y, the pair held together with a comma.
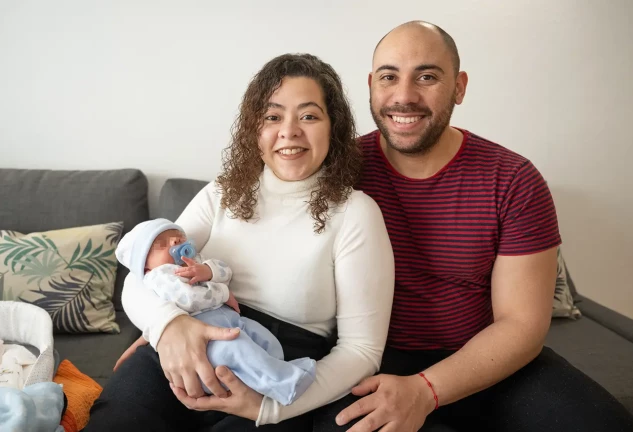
x: 196, y: 272
x: 232, y: 302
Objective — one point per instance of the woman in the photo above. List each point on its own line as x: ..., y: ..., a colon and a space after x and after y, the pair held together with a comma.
x: 310, y: 257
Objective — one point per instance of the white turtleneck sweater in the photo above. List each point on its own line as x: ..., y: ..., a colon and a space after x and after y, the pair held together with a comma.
x: 342, y: 278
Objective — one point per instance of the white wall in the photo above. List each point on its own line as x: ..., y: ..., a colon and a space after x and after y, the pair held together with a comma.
x: 156, y: 84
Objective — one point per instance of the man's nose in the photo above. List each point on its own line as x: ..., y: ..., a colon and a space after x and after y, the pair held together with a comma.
x: 406, y: 93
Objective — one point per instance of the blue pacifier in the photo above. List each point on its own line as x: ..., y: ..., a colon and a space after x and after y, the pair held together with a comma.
x: 186, y: 249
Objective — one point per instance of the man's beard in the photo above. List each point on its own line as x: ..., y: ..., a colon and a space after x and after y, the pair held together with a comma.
x: 437, y: 123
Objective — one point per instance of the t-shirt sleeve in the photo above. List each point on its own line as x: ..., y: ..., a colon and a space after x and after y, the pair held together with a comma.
x: 528, y: 221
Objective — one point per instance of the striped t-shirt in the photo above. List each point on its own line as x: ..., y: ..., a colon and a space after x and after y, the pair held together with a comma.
x: 446, y: 231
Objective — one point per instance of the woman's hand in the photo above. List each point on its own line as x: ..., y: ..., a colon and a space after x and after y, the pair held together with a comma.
x: 128, y: 352
x: 182, y: 349
x: 242, y: 402
x: 195, y: 272
x: 232, y: 303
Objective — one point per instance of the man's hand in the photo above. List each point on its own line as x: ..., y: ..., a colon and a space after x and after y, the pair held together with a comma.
x: 242, y: 401
x: 182, y: 350
x: 194, y: 271
x: 397, y: 404
x: 128, y: 352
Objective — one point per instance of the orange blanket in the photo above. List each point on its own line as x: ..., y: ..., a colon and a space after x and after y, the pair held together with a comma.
x: 81, y: 392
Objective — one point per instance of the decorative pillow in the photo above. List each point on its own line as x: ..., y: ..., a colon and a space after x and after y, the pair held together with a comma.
x: 70, y: 273
x: 563, y: 300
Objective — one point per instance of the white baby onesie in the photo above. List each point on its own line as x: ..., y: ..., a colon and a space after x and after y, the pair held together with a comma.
x: 191, y: 298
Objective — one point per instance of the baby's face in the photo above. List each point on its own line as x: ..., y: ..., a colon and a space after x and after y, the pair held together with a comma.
x: 159, y: 252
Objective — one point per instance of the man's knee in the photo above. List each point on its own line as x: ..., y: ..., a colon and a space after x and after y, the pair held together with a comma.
x: 564, y: 398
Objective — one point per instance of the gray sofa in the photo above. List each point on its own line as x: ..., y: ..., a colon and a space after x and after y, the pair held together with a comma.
x: 600, y: 343
x: 43, y: 200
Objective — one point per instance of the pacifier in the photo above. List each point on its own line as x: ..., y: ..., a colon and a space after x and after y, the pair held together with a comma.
x: 186, y: 249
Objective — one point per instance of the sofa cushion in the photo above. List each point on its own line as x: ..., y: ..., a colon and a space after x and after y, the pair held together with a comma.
x: 601, y: 354
x: 175, y: 195
x: 96, y: 353
x: 69, y: 273
x: 609, y: 318
x: 43, y: 200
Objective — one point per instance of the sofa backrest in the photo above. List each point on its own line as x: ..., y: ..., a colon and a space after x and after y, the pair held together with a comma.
x: 175, y: 194
x: 43, y: 200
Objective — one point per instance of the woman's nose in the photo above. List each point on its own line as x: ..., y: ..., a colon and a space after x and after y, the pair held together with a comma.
x: 289, y: 129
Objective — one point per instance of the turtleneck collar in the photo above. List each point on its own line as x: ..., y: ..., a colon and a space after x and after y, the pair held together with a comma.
x: 271, y: 184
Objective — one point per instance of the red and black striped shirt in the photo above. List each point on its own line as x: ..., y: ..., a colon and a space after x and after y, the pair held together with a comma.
x: 446, y: 232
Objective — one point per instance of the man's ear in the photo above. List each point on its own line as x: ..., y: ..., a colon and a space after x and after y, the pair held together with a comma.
x: 369, y: 77
x: 460, y: 87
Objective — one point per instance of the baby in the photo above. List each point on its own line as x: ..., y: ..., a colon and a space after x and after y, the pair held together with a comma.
x: 157, y: 251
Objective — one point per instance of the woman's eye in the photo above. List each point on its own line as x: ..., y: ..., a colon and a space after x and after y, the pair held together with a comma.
x: 271, y: 118
x: 308, y: 117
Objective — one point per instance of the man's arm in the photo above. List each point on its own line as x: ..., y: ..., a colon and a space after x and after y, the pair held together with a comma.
x: 522, y: 292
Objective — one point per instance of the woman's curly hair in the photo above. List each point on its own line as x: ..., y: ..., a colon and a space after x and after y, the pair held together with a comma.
x: 242, y: 161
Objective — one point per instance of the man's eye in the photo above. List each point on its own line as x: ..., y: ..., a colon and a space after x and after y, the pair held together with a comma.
x: 388, y: 77
x: 427, y: 78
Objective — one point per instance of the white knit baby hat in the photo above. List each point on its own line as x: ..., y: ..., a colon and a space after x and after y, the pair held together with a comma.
x: 134, y: 246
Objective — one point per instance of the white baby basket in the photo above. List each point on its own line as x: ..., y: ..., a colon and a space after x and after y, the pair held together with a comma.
x: 27, y: 324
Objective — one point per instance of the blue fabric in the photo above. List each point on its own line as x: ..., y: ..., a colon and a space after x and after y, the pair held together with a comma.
x: 257, y: 358
x: 36, y: 408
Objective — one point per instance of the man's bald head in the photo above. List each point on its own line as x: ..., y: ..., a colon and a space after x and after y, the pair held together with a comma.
x: 420, y: 28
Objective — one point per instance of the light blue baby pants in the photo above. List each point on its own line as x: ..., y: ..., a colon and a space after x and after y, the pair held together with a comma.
x: 257, y: 358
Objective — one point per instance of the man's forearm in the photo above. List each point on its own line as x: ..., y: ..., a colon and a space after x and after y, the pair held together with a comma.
x: 492, y: 355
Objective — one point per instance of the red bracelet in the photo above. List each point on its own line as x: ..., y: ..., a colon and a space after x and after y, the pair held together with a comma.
x: 437, y: 402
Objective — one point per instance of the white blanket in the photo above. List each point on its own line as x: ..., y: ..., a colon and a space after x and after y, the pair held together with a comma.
x: 26, y: 324
x: 16, y: 363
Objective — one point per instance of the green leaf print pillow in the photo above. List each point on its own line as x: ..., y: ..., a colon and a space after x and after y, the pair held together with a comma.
x: 70, y: 273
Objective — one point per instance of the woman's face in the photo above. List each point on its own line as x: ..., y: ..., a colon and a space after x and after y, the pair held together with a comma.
x: 295, y: 137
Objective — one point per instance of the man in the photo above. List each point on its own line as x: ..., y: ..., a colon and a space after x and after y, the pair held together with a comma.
x: 474, y: 232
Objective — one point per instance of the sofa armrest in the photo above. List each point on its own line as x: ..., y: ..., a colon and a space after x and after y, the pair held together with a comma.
x: 609, y: 318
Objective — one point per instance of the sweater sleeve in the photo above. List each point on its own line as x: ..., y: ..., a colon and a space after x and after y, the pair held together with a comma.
x: 144, y: 308
x: 364, y: 277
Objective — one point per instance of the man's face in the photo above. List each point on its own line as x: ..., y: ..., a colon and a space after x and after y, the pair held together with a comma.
x: 413, y: 89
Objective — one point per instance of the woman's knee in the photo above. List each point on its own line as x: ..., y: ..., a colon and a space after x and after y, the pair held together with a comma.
x: 137, y: 394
